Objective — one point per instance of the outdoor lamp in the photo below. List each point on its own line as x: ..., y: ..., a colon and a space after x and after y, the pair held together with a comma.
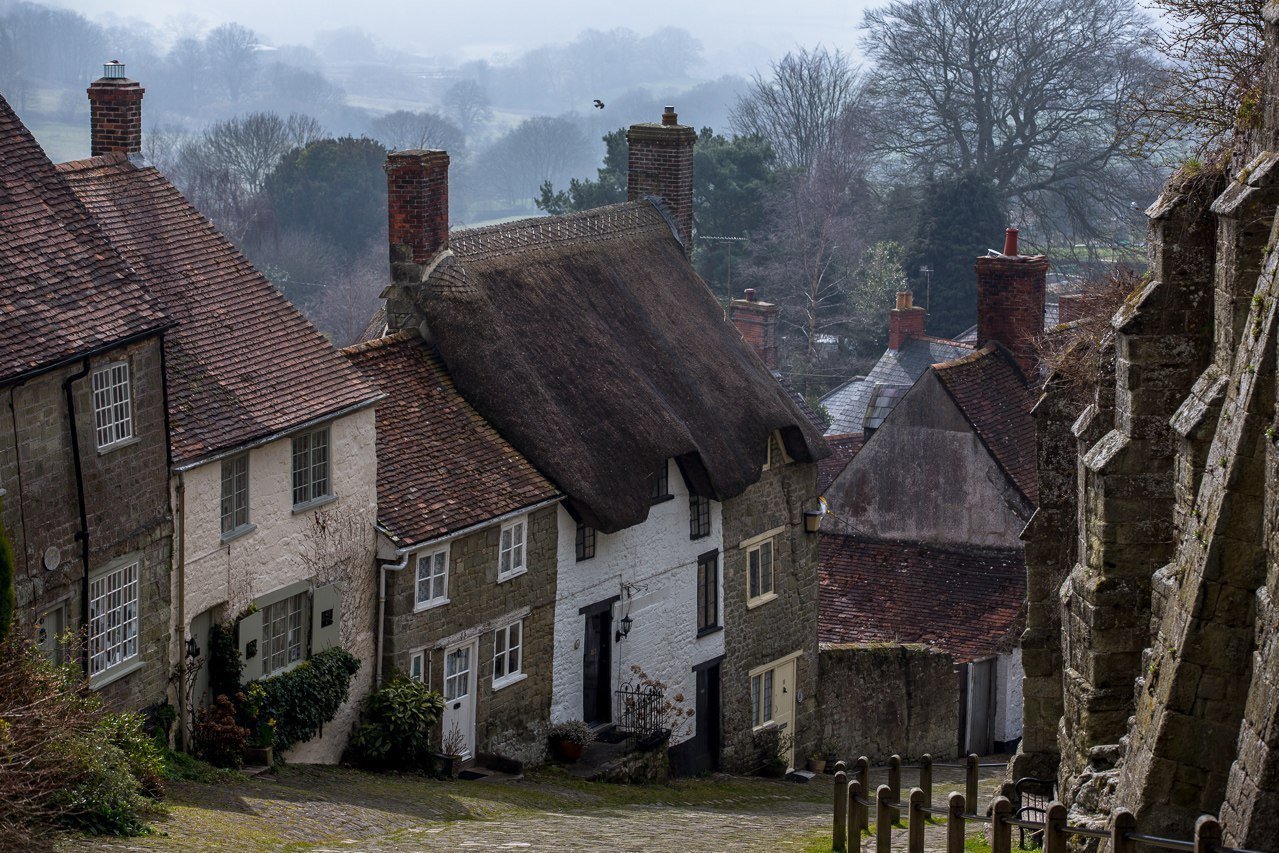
x: 625, y: 629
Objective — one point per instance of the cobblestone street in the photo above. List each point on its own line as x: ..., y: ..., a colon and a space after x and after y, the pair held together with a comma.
x: 327, y: 808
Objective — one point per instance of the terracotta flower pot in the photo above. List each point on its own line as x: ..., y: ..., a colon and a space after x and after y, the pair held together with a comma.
x: 568, y: 750
x: 816, y: 765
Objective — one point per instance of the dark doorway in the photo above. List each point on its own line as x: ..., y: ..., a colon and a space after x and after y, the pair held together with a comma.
x: 597, y: 666
x: 701, y: 753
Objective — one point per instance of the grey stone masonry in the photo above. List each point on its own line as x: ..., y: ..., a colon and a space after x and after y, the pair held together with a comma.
x: 127, y: 506
x: 512, y: 720
x: 755, y: 636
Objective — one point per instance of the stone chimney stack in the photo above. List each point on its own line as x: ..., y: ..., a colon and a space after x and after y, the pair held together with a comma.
x: 660, y: 163
x: 906, y: 321
x: 115, y: 112
x: 417, y: 215
x: 757, y: 322
x: 1010, y: 300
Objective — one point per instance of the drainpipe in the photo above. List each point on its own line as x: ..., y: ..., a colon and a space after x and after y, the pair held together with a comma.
x: 383, y: 567
x: 82, y: 535
x: 180, y: 531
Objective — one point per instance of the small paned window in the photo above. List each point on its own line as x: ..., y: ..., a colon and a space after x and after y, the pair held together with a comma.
x: 432, y: 578
x: 508, y: 642
x: 699, y: 517
x: 708, y: 592
x: 311, y: 467
x: 762, y: 698
x: 235, y: 493
x: 284, y: 633
x: 511, y: 553
x: 112, y: 404
x: 661, y: 485
x: 760, y: 563
x: 113, y: 618
x: 416, y: 668
x: 585, y: 542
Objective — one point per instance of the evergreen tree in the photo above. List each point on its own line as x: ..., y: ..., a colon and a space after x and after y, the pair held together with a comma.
x: 960, y: 218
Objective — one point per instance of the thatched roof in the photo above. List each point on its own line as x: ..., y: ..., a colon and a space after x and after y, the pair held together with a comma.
x: 591, y: 345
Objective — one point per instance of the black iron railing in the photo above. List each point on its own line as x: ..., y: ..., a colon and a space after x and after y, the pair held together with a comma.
x: 639, y: 710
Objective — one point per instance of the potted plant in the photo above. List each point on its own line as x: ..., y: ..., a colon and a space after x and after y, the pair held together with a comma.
x: 452, y: 748
x: 816, y: 764
x: 772, y: 746
x: 568, y: 740
x: 258, y: 750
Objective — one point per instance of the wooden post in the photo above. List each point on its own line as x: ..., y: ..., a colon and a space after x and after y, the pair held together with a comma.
x: 883, y: 820
x: 970, y: 778
x: 955, y: 823
x: 1001, y: 831
x: 1207, y: 834
x: 840, y: 831
x: 1054, y: 836
x: 915, y: 822
x: 895, y: 784
x: 840, y: 767
x: 1124, y: 823
x: 926, y: 778
x: 862, y: 770
x: 856, y: 816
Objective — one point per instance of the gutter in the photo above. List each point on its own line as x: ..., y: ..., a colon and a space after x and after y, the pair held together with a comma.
x: 383, y: 567
x: 82, y: 355
x: 82, y: 535
x: 417, y: 546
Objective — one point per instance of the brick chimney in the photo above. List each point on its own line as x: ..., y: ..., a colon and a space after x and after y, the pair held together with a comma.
x: 757, y: 322
x: 115, y: 112
x: 660, y: 164
x: 906, y: 321
x: 1010, y: 300
x: 417, y: 216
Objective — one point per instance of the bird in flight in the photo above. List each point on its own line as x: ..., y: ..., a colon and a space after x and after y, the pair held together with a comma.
x: 599, y: 105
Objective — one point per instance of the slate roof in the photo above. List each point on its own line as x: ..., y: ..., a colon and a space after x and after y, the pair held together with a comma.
x: 242, y: 363
x: 993, y: 395
x: 441, y: 467
x: 842, y: 450
x: 64, y: 291
x: 590, y: 344
x: 969, y: 603
x: 847, y: 404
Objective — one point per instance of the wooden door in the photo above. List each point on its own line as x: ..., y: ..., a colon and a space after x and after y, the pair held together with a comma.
x: 980, y: 715
x: 597, y: 668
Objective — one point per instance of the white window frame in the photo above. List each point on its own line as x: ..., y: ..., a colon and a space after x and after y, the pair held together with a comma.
x: 502, y: 640
x: 417, y: 666
x: 112, y: 405
x: 518, y: 551
x: 293, y: 637
x: 753, y: 547
x: 432, y: 599
x: 115, y: 599
x: 313, y: 494
x: 234, y: 530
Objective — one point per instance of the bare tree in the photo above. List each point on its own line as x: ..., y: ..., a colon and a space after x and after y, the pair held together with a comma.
x: 404, y: 131
x: 801, y: 108
x: 1030, y: 95
x: 232, y: 51
x: 468, y: 103
x: 539, y: 149
x: 250, y: 146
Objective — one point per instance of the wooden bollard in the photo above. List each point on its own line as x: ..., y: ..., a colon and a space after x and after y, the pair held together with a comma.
x: 856, y: 815
x: 1207, y: 834
x: 1125, y: 822
x: 970, y: 782
x: 926, y: 778
x: 915, y: 822
x: 955, y: 823
x: 839, y: 833
x: 861, y: 769
x: 883, y: 820
x: 1054, y: 829
x: 895, y: 784
x: 1001, y: 831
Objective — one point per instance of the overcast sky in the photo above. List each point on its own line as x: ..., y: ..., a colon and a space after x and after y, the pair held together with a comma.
x: 732, y: 31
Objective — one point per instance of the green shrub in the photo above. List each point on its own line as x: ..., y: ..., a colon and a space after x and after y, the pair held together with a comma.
x: 224, y: 662
x: 309, y: 695
x: 122, y: 775
x: 395, y: 730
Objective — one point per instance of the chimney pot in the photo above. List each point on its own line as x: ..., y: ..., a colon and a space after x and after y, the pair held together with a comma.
x: 1010, y: 242
x: 669, y: 117
x: 905, y: 299
x: 115, y: 112
x: 750, y: 294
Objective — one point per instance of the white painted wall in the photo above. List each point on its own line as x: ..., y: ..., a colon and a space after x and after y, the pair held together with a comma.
x: 273, y: 555
x: 1008, y: 710
x: 659, y: 559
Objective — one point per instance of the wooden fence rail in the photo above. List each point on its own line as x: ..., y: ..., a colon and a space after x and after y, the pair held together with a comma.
x: 852, y: 803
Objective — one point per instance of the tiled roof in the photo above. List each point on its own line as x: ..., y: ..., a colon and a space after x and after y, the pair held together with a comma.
x: 847, y: 404
x: 441, y: 467
x: 842, y: 450
x: 242, y: 363
x: 994, y: 397
x: 63, y: 289
x: 969, y: 603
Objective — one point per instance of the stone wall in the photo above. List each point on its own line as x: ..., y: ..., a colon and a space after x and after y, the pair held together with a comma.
x: 126, y: 498
x: 512, y: 720
x: 879, y: 700
x: 755, y: 636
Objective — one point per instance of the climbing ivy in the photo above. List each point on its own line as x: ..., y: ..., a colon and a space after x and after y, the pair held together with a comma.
x: 309, y: 695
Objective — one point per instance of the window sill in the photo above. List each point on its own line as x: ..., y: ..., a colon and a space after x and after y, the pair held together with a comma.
x: 661, y: 500
x: 699, y: 536
x: 511, y: 575
x: 284, y: 668
x: 430, y: 605
x: 508, y: 680
x: 752, y: 603
x: 315, y: 504
x: 119, y: 444
x: 707, y: 631
x: 236, y: 533
x: 116, y: 672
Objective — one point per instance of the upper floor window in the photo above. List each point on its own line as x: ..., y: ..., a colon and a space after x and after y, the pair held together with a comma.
x: 235, y: 494
x: 508, y: 642
x: 585, y: 542
x: 661, y: 485
x: 311, y: 467
x: 707, y: 592
x: 759, y: 559
x: 113, y: 618
x: 112, y: 405
x: 511, y: 551
x: 432, y: 578
x: 699, y: 517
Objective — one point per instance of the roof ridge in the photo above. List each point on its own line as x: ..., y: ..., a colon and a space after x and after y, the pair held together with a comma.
x: 964, y: 359
x: 949, y: 548
x: 598, y: 224
x: 378, y: 343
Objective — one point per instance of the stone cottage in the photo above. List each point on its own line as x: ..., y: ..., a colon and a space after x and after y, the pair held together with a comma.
x: 83, y: 440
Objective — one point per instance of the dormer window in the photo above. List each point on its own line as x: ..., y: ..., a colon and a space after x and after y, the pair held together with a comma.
x: 585, y: 542
x: 661, y: 485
